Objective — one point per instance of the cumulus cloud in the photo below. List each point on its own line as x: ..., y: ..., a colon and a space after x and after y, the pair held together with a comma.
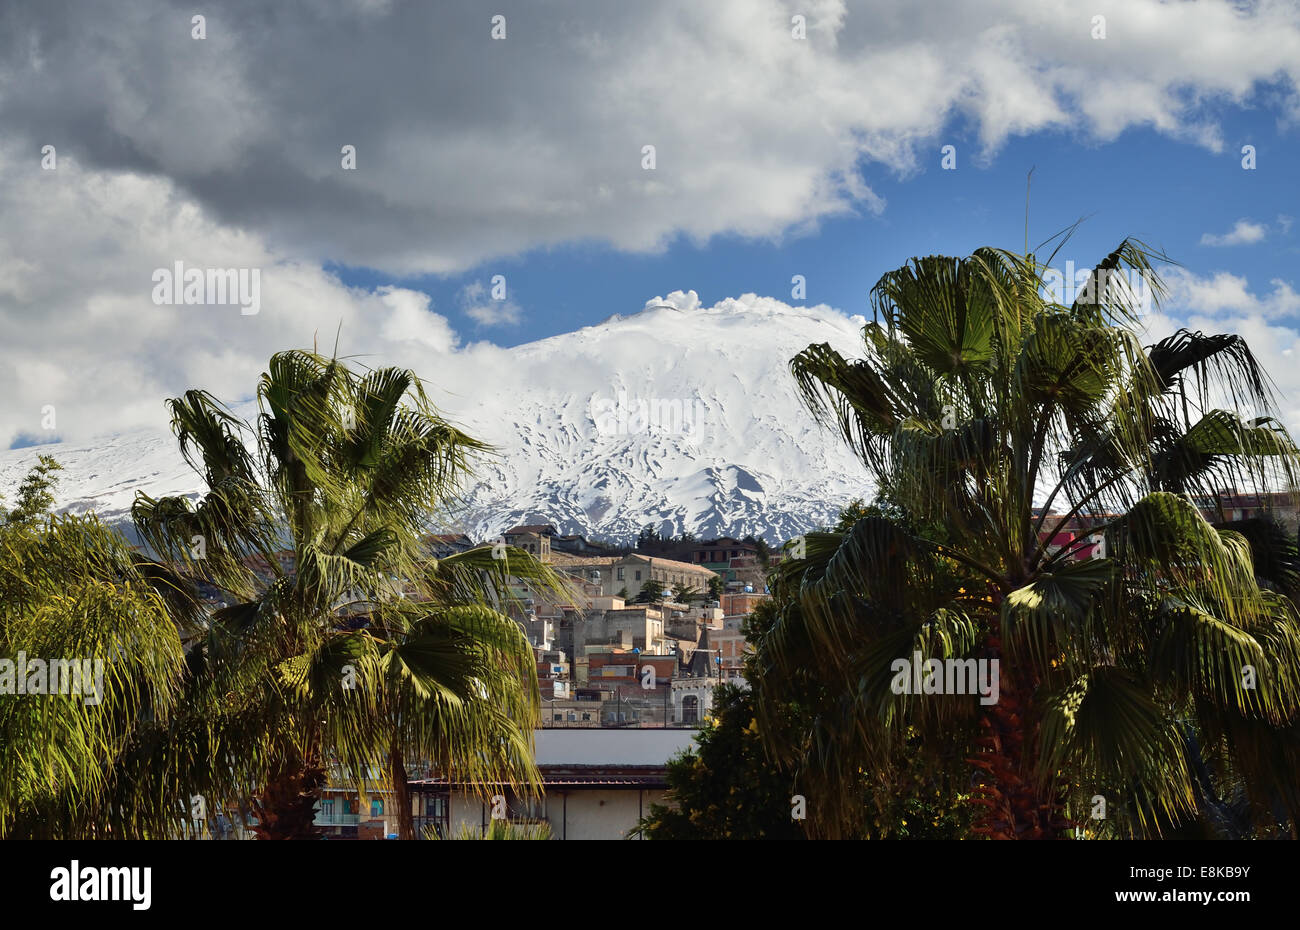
x: 685, y: 301
x: 84, y: 338
x: 1223, y: 293
x: 469, y: 147
x: 1244, y: 232
x: 1267, y: 318
x: 478, y: 302
x: 1275, y: 345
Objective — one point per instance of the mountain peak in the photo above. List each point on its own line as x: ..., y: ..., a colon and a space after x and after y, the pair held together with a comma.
x: 679, y: 415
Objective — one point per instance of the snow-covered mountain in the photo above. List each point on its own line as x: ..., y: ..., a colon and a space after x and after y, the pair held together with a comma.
x: 679, y: 415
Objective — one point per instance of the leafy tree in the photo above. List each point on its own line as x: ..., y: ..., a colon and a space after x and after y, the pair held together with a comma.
x: 853, y: 512
x: 715, y: 587
x: 651, y: 592
x: 723, y: 788
x: 727, y: 788
x: 35, y: 498
x: 623, y: 593
x: 685, y: 593
x: 976, y: 398
x: 759, y: 544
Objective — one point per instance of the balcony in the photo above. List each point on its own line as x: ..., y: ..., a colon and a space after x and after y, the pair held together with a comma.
x: 338, y: 820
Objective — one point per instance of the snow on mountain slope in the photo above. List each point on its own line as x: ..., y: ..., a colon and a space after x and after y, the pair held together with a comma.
x: 680, y: 415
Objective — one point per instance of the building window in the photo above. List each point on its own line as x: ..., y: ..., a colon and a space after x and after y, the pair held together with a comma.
x: 586, y: 716
x: 327, y: 808
x: 377, y: 808
x: 620, y: 574
x: 638, y: 576
x: 690, y: 709
x: 559, y: 716
x: 436, y: 816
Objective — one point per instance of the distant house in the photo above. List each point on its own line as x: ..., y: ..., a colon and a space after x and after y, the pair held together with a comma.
x: 732, y: 646
x: 575, y: 545
x: 1077, y: 535
x: 718, y: 553
x: 534, y: 529
x: 441, y: 545
x: 1234, y: 505
x: 597, y: 784
x: 634, y: 570
x: 533, y: 538
x: 741, y: 604
x: 738, y: 563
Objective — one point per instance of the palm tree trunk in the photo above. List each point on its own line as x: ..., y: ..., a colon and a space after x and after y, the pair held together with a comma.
x: 1013, y: 805
x: 401, y: 794
x: 287, y: 808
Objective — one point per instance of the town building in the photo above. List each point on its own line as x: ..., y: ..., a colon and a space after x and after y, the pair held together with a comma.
x: 633, y: 570
x: 1280, y: 506
x: 441, y: 545
x: 597, y: 784
x: 719, y: 552
x: 731, y: 645
x: 533, y: 538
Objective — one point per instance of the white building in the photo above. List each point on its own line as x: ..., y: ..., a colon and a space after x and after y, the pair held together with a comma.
x: 598, y: 783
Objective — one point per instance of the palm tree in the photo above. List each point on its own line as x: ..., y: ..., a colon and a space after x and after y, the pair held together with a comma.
x: 357, y: 651
x: 447, y: 679
x: 991, y: 417
x: 73, y: 591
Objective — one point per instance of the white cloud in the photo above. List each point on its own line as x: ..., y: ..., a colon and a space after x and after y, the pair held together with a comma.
x: 469, y: 148
x: 496, y: 313
x: 82, y: 333
x: 1245, y: 232
x: 686, y: 301
x: 225, y: 153
x: 479, y: 305
x: 1224, y: 293
x: 1225, y: 303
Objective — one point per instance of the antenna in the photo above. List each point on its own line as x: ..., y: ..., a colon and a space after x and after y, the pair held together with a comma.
x: 1028, y: 180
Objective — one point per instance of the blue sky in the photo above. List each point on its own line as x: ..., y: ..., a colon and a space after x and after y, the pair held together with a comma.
x: 1167, y: 192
